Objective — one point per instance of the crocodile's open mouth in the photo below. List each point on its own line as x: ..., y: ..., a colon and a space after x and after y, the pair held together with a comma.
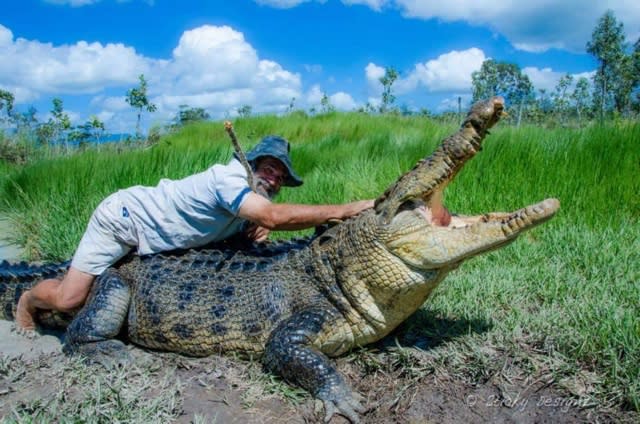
x: 437, y: 215
x: 434, y: 211
x: 427, y: 236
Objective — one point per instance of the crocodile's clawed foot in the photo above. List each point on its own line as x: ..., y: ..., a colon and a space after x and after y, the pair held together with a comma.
x: 348, y: 405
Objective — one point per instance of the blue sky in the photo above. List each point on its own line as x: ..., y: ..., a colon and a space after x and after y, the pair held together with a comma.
x: 222, y: 55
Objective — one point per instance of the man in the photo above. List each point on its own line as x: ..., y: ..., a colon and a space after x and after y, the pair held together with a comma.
x: 199, y: 209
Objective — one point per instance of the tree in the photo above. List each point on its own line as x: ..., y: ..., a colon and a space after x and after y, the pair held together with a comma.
x: 245, y: 111
x: 581, y: 97
x: 608, y: 46
x: 81, y: 134
x: 26, y: 121
x: 292, y: 104
x: 91, y: 129
x: 562, y: 98
x: 45, y: 132
x: 326, y: 105
x: 188, y: 114
x: 60, y: 116
x: 61, y: 122
x: 56, y: 126
x: 137, y: 98
x: 502, y: 79
x: 388, y: 98
x: 95, y: 127
x: 636, y: 71
x: 425, y: 112
x: 6, y: 101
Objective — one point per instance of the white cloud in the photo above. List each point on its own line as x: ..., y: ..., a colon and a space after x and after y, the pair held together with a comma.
x: 6, y: 36
x: 449, y: 72
x: 288, y: 4
x: 373, y: 4
x: 547, y: 79
x: 532, y: 26
x: 73, y: 3
x: 373, y: 73
x: 211, y: 67
x: 314, y: 95
x: 80, y: 3
x: 282, y: 4
x: 339, y: 100
x: 374, y: 102
x: 587, y: 75
x: 105, y: 116
x: 32, y: 68
x: 210, y: 58
x: 113, y: 104
x: 216, y: 69
x: 342, y: 101
x: 543, y: 79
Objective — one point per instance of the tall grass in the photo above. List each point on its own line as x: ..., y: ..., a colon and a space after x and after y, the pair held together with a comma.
x: 569, y: 289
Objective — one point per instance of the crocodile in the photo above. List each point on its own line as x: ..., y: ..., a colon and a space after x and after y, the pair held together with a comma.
x: 295, y: 304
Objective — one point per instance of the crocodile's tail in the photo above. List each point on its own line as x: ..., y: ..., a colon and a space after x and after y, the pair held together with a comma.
x: 16, y: 278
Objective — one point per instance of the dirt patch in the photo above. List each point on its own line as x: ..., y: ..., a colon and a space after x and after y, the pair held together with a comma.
x: 401, y: 386
x: 8, y: 251
x: 14, y: 344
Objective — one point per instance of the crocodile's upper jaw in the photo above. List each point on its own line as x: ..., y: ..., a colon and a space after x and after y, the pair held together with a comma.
x: 419, y: 229
x: 428, y: 238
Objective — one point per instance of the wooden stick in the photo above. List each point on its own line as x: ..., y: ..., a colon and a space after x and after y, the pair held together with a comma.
x: 243, y: 159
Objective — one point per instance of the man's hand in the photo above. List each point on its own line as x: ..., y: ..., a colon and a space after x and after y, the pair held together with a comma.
x: 355, y: 208
x: 256, y: 233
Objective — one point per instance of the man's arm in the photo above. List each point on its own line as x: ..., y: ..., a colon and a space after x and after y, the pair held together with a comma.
x: 287, y: 216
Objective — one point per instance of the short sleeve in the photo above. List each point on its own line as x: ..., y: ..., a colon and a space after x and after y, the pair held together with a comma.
x: 231, y: 186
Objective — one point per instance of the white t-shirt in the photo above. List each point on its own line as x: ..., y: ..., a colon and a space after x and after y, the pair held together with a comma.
x: 191, y: 212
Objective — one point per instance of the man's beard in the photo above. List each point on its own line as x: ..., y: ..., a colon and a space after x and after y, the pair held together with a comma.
x: 264, y: 189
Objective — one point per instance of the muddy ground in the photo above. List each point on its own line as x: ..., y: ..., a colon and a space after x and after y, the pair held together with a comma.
x: 400, y: 386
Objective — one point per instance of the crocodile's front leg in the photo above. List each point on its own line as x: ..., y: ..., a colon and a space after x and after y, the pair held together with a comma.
x: 290, y: 353
x: 93, y: 331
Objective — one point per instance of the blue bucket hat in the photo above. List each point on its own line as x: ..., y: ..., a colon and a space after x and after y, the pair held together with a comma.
x: 278, y: 148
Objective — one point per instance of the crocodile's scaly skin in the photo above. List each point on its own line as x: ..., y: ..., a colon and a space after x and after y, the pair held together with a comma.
x: 295, y: 304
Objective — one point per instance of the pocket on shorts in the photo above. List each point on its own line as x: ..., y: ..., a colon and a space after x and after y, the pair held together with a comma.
x: 115, y: 216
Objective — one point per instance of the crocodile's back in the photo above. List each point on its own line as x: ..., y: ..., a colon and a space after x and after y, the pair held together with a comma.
x: 208, y: 301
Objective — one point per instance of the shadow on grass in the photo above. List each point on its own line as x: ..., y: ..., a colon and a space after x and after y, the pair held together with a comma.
x: 427, y: 329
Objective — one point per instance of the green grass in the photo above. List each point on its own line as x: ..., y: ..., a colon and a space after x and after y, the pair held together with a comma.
x: 568, y: 290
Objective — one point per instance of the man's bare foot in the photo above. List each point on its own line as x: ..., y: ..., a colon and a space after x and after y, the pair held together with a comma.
x: 24, y: 316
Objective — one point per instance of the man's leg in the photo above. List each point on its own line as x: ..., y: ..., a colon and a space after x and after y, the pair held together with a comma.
x: 109, y: 236
x: 52, y: 294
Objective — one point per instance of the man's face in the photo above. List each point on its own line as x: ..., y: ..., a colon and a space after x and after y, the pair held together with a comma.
x: 270, y: 174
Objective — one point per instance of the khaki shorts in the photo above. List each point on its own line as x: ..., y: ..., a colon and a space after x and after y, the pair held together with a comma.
x: 109, y: 236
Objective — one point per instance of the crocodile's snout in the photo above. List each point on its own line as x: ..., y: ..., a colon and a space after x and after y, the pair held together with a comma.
x: 485, y: 114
